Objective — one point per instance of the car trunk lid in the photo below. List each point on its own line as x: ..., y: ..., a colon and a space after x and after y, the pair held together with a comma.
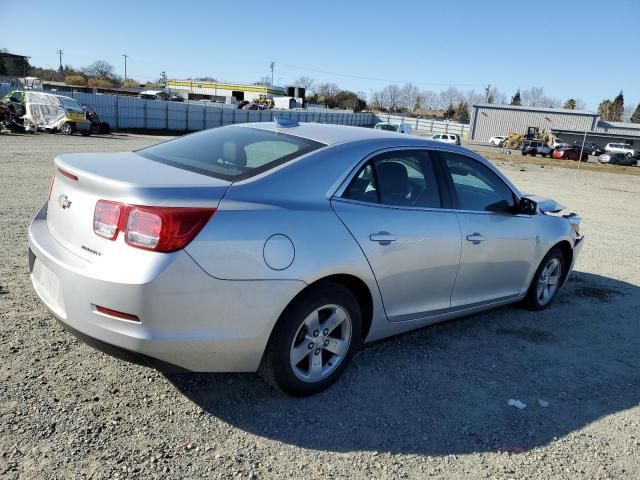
x: 80, y: 180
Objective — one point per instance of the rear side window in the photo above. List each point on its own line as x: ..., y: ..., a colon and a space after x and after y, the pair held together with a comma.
x: 230, y: 153
x: 401, y: 178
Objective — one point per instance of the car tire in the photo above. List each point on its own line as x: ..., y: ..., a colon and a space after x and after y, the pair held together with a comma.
x: 298, y: 360
x: 66, y: 128
x: 541, y: 292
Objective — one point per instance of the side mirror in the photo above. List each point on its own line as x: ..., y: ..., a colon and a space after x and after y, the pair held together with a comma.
x: 527, y: 206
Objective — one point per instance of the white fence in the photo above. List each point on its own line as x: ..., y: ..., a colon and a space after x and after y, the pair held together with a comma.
x: 131, y: 113
x: 427, y: 125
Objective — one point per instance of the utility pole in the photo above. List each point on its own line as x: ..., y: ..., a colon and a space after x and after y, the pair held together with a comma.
x: 273, y: 64
x: 61, y: 70
x: 486, y: 93
x: 125, y: 67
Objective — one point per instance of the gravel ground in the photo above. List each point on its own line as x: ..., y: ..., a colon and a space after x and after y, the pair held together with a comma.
x: 429, y: 404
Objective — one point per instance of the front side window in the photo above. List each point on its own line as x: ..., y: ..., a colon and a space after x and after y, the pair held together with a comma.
x: 478, y: 188
x: 230, y: 153
x: 401, y: 178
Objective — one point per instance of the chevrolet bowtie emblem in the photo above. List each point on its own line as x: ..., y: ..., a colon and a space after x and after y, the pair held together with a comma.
x: 64, y: 202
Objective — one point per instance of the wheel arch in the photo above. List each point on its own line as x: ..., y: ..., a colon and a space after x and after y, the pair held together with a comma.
x: 356, y: 286
x: 567, y: 251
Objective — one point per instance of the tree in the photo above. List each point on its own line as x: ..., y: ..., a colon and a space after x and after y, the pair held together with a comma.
x: 461, y: 113
x: 265, y: 80
x: 450, y: 112
x: 75, y: 80
x: 570, y: 104
x: 99, y: 82
x: 99, y: 69
x: 391, y: 98
x: 306, y: 83
x: 612, y: 111
x: 410, y: 97
x: 450, y: 96
x: 533, y: 96
x: 516, y: 99
x: 428, y: 99
x: 618, y: 107
x: 635, y: 116
x: 131, y: 83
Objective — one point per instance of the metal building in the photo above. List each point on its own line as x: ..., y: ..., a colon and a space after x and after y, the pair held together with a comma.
x: 490, y: 119
x: 222, y: 92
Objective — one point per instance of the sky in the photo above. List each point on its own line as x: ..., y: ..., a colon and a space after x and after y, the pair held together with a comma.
x: 586, y: 49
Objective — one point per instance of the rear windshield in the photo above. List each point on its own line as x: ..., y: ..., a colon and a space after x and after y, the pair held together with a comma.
x: 387, y: 127
x: 230, y: 153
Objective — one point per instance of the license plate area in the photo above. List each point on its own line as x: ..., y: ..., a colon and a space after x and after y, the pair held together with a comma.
x: 47, y: 285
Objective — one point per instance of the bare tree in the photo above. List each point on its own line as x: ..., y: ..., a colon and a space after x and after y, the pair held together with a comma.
x: 580, y: 105
x: 429, y: 99
x: 376, y: 101
x: 450, y: 96
x: 391, y: 97
x: 306, y: 82
x: 496, y: 96
x: 533, y: 96
x: 265, y: 80
x: 99, y: 69
x: 410, y: 97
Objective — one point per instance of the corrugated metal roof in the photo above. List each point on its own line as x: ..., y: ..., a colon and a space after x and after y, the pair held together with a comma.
x: 525, y: 108
x: 606, y: 124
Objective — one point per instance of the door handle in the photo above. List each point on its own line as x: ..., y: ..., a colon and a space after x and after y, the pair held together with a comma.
x: 475, y: 238
x: 383, y: 238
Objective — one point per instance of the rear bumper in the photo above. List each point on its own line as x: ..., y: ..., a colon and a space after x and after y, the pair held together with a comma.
x: 188, y: 319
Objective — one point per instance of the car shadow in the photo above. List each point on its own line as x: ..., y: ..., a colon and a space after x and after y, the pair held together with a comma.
x: 444, y: 389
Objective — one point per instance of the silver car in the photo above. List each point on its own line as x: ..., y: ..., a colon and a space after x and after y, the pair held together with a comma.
x: 283, y: 247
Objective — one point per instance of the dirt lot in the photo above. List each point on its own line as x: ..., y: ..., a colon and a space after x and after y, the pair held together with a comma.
x: 429, y: 404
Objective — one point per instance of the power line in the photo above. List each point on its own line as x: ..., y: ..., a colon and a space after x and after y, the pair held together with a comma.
x: 360, y: 77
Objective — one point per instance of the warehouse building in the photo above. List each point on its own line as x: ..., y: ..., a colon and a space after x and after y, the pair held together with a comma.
x: 490, y: 119
x: 222, y: 92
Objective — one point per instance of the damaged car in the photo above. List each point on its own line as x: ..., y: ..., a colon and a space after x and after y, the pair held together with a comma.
x: 32, y: 111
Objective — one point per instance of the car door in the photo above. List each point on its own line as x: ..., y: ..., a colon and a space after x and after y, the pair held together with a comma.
x: 498, y: 244
x: 392, y: 207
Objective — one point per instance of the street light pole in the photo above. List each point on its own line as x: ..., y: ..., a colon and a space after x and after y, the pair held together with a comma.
x: 125, y: 67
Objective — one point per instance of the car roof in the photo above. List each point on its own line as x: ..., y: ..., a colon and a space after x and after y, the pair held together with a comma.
x: 327, y: 134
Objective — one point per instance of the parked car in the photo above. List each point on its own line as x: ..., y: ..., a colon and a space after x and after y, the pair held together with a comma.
x: 391, y: 127
x: 620, y: 148
x: 497, y: 140
x: 569, y: 153
x: 283, y: 247
x: 450, y: 138
x: 535, y: 147
x: 46, y: 111
x: 590, y: 147
x: 617, y: 158
x: 557, y: 143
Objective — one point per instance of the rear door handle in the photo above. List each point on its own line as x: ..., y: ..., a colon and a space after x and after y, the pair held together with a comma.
x: 383, y: 238
x: 475, y: 238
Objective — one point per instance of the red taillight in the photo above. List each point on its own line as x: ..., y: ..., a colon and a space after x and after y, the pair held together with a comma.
x: 117, y: 314
x: 106, y: 218
x: 161, y: 229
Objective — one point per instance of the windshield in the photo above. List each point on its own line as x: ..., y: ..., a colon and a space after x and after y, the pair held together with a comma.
x: 71, y: 105
x: 230, y: 153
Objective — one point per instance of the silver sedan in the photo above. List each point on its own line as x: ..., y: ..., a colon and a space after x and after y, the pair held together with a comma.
x: 283, y: 247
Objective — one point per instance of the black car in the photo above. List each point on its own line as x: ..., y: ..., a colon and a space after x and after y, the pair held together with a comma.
x: 622, y: 159
x: 591, y: 148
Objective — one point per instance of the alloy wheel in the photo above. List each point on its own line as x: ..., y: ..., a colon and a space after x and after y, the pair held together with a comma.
x: 549, y: 281
x: 321, y: 343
